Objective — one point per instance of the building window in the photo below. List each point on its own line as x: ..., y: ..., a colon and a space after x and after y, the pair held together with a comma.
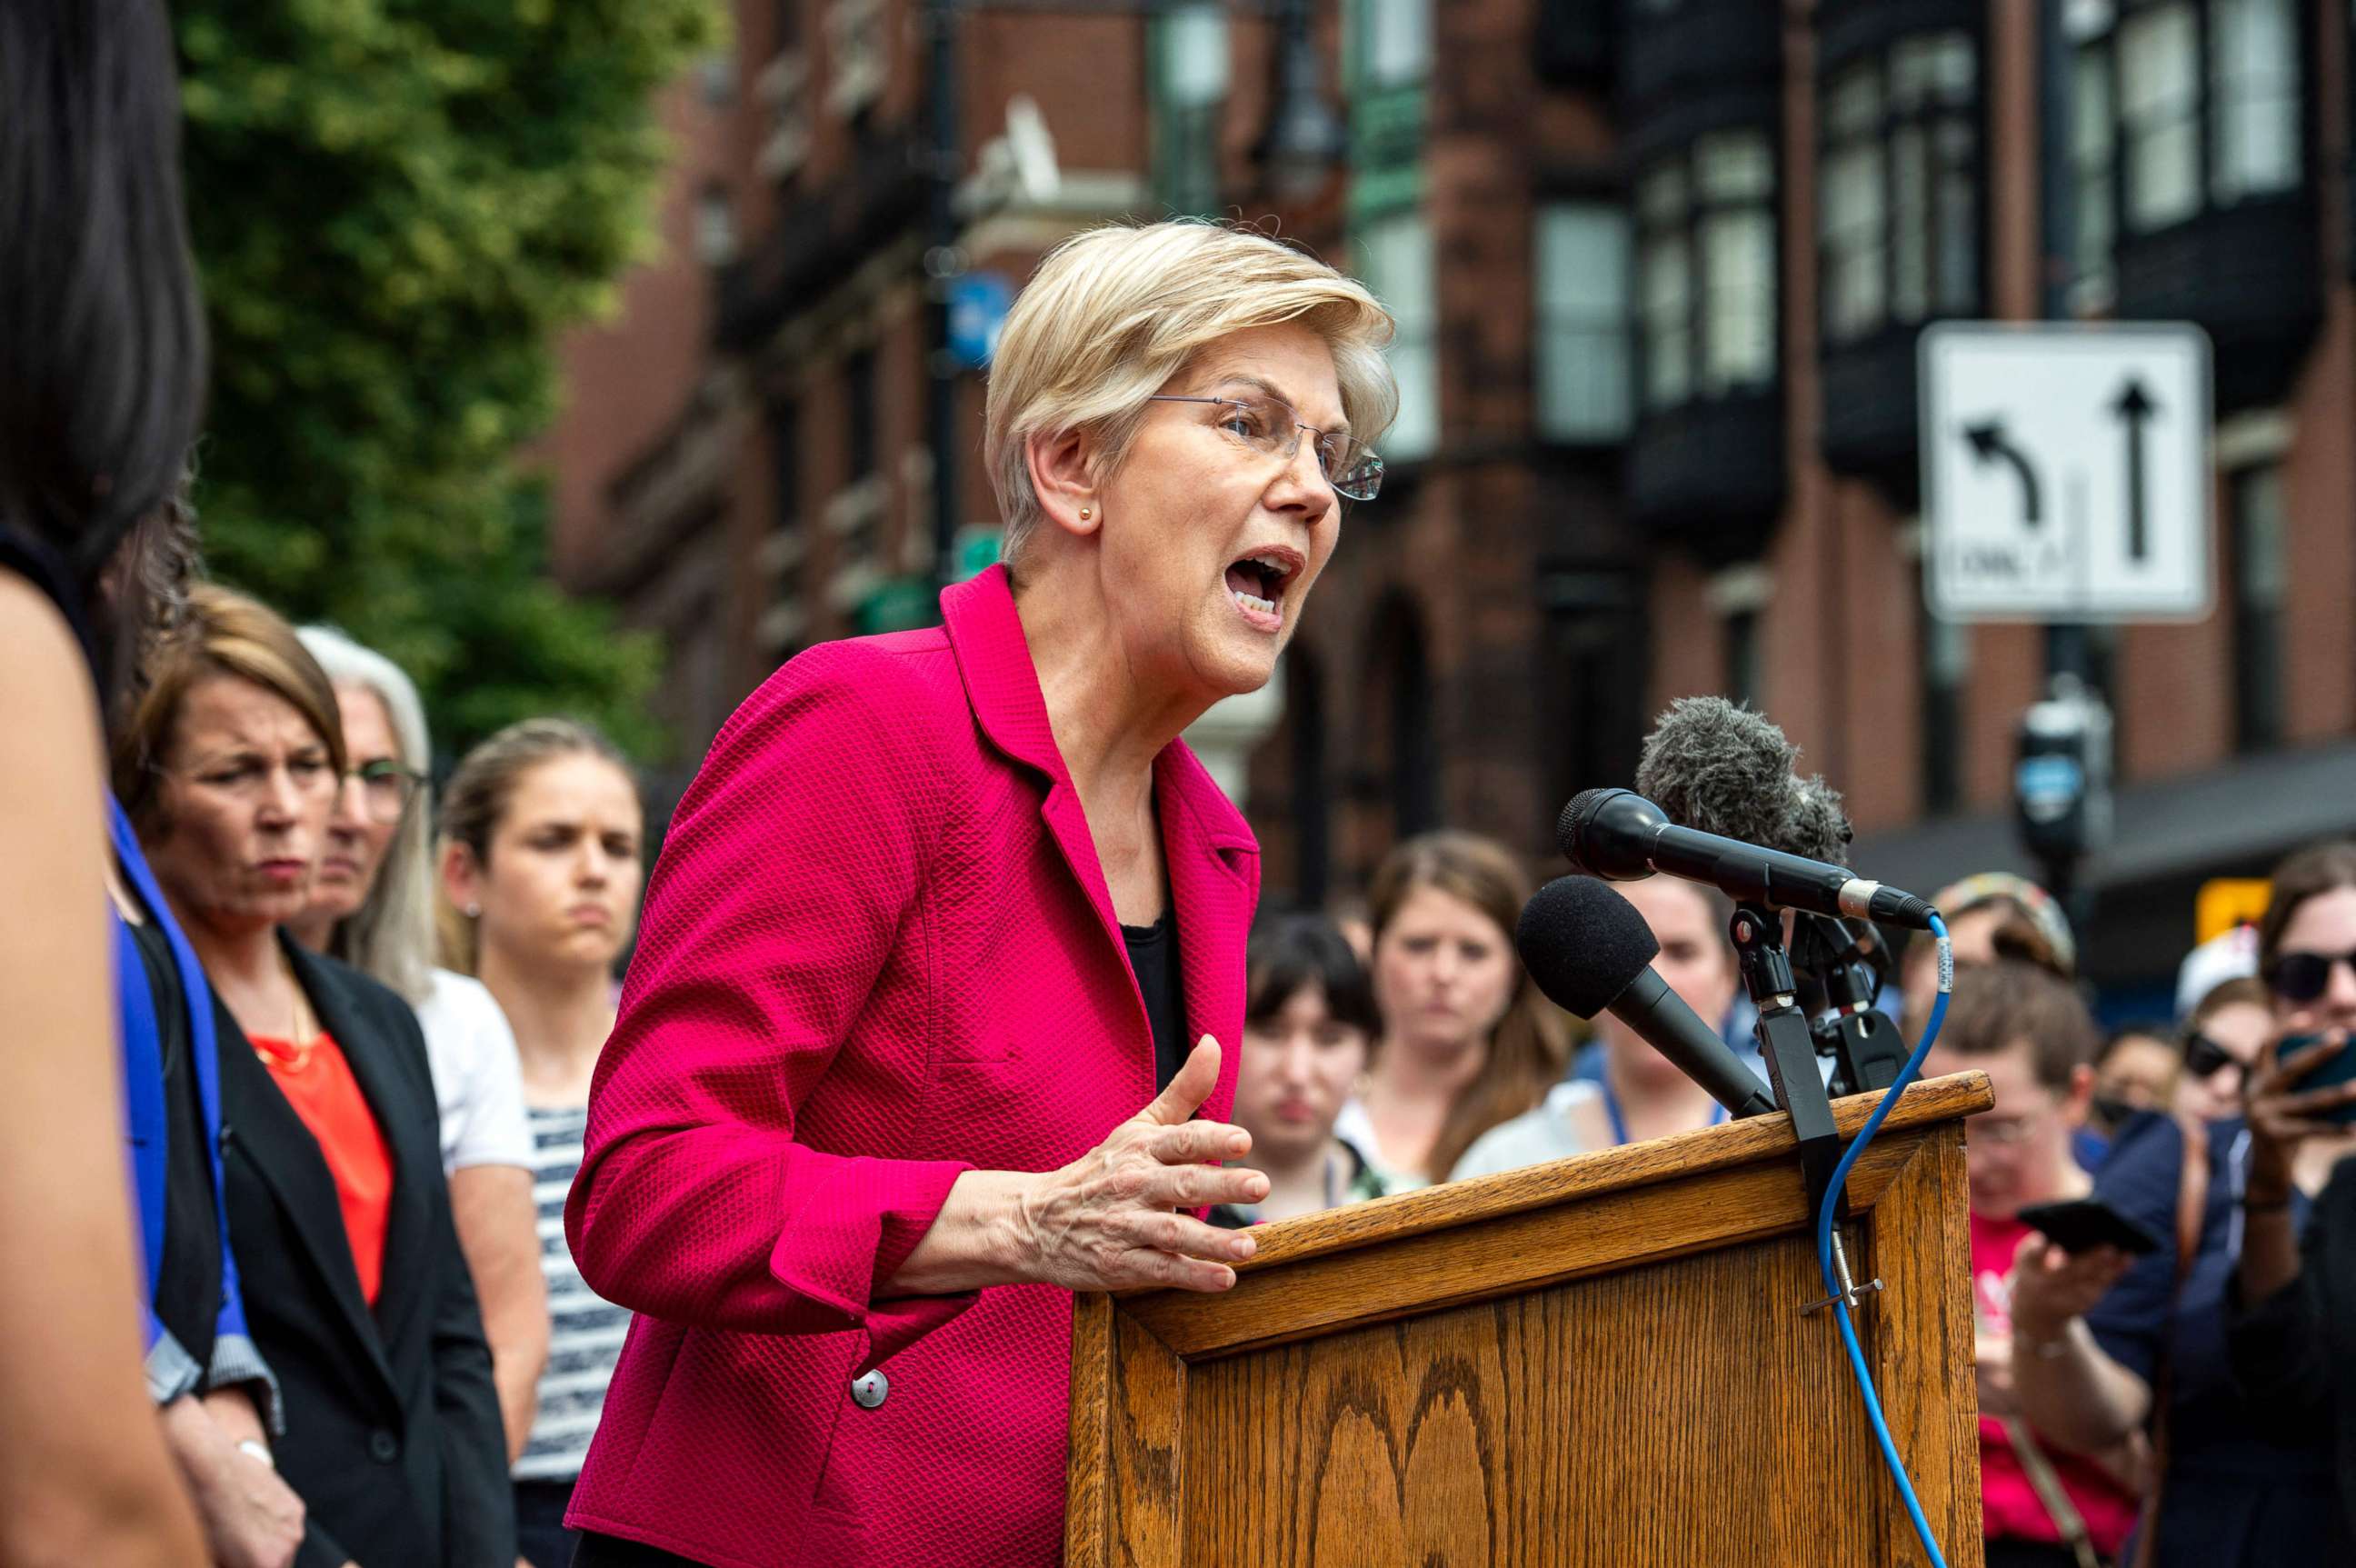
x: 2260, y: 583
x: 1395, y: 41
x: 857, y: 58
x: 785, y: 463
x: 1900, y: 205
x: 1582, y: 311
x: 859, y: 414
x: 2208, y: 101
x: 2093, y: 160
x: 1743, y: 656
x: 1189, y: 52
x: 1395, y: 258
x: 2253, y: 119
x: 1706, y: 269
x: 715, y: 226
x: 715, y: 79
x: 1856, y: 211
x: 2159, y: 115
x: 785, y: 623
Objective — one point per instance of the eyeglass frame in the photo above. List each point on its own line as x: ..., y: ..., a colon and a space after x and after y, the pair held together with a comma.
x: 1365, y: 456
x: 2002, y: 1131
x: 369, y: 773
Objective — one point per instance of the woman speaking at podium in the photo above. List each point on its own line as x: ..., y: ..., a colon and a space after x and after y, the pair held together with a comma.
x: 903, y: 1057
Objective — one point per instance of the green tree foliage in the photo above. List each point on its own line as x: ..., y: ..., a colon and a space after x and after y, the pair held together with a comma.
x: 397, y: 205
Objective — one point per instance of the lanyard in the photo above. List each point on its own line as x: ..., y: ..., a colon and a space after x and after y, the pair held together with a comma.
x: 1619, y: 1121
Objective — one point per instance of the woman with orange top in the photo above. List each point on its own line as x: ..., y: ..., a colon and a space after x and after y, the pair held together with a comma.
x: 359, y: 1296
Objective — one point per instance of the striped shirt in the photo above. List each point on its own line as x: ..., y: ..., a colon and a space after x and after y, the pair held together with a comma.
x: 585, y: 1331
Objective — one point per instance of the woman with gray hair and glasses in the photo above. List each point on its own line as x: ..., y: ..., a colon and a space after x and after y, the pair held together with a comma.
x: 372, y: 906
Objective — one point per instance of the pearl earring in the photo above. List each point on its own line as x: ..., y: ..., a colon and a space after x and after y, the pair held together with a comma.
x: 474, y: 911
x: 1084, y: 514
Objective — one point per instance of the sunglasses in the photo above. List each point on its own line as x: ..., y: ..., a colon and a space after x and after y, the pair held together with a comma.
x: 2301, y: 977
x: 2204, y: 1058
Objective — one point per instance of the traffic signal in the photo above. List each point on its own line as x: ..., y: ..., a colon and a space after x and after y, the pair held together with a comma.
x: 2061, y: 782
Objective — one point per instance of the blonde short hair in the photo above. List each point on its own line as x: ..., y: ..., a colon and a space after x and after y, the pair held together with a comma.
x: 1113, y: 314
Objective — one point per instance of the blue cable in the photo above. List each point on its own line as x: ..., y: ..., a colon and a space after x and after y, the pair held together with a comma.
x: 1825, y: 1247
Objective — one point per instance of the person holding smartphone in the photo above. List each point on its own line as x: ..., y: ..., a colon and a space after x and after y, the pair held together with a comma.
x: 2027, y: 1028
x: 2105, y: 1351
x: 2294, y: 1301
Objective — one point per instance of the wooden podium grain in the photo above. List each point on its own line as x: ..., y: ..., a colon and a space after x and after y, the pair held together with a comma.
x: 1600, y: 1361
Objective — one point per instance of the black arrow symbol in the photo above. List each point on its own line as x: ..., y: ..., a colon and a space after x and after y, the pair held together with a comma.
x: 1988, y: 443
x: 2135, y: 409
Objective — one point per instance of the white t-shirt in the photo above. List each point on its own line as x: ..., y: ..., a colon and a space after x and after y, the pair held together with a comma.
x: 477, y: 1079
x: 1571, y: 1121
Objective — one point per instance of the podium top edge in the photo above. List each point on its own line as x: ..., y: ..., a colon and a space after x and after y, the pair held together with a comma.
x: 1758, y: 1140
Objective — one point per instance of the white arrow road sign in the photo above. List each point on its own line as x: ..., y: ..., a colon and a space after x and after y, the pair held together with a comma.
x: 2066, y: 471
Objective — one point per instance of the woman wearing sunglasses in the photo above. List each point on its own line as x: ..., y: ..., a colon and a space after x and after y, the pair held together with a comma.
x: 2294, y: 1332
x: 2222, y: 1036
x: 2105, y: 1349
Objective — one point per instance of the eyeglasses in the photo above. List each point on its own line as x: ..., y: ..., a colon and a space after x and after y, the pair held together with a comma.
x: 2204, y: 1058
x: 2000, y: 1128
x: 386, y: 786
x: 1270, y: 426
x: 2301, y: 977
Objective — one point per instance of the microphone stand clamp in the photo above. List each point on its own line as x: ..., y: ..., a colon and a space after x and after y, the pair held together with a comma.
x: 1788, y: 1045
x: 1866, y: 1049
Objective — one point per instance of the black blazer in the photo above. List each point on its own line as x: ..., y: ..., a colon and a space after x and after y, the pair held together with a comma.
x: 394, y: 1439
x: 2297, y: 1351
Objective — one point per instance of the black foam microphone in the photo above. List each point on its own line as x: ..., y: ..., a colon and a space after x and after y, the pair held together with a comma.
x: 1589, y: 950
x: 1621, y: 836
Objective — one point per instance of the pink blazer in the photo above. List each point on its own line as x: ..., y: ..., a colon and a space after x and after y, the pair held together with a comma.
x: 878, y: 952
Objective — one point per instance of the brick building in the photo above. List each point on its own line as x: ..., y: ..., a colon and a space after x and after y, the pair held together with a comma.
x: 1659, y: 267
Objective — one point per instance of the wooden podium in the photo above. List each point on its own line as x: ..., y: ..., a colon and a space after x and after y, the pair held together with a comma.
x: 1600, y: 1361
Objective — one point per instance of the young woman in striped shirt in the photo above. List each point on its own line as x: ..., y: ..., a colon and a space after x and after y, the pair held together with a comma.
x: 541, y: 832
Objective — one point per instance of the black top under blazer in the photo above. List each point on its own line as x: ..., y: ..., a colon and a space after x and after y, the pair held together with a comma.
x: 394, y: 1439
x: 2295, y: 1351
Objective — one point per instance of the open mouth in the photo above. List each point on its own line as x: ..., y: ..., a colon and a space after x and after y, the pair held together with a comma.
x: 1257, y: 581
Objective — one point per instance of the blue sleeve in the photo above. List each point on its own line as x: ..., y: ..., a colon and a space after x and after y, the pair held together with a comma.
x: 2140, y: 1180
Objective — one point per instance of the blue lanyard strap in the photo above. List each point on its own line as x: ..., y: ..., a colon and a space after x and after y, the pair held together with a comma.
x: 1619, y: 1119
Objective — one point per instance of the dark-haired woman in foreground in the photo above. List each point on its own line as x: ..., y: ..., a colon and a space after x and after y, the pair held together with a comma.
x: 1309, y: 1021
x: 103, y: 343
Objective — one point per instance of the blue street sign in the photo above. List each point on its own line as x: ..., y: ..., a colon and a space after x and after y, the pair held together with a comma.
x: 978, y: 305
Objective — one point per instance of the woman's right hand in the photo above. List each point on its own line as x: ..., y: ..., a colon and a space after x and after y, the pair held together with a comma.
x: 1109, y: 1220
x: 2280, y: 1114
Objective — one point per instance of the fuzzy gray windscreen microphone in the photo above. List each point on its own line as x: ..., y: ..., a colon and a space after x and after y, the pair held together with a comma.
x: 1720, y: 768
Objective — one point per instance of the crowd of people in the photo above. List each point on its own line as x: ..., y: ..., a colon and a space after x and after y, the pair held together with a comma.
x: 435, y: 1235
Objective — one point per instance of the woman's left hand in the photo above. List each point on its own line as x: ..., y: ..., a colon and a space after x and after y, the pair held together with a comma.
x: 2050, y: 1288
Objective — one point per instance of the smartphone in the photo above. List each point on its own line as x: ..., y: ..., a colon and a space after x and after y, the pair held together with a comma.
x: 2329, y: 1073
x: 2089, y: 1223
